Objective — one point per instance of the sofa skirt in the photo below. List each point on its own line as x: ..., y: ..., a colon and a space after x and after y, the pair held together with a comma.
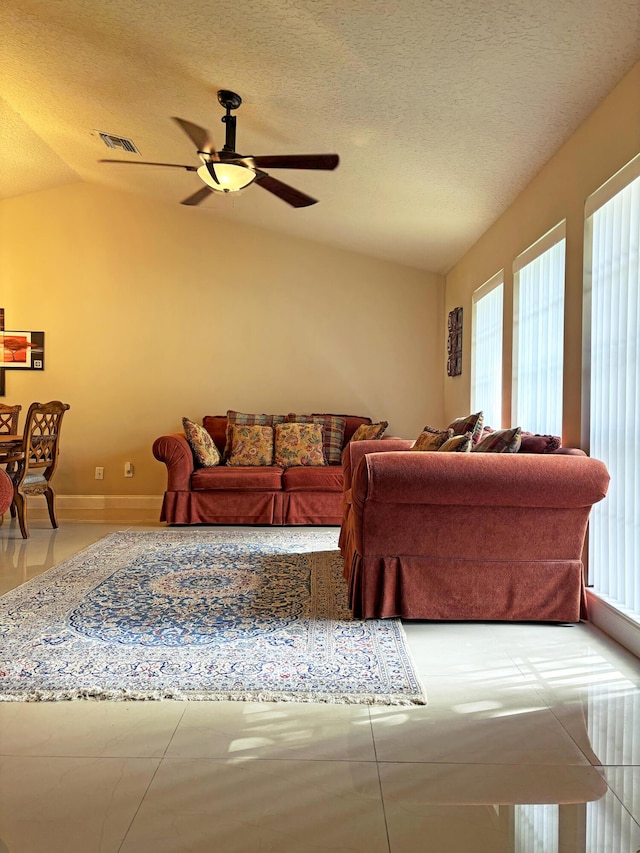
x: 448, y: 589
x: 313, y: 508
x: 247, y: 507
x: 222, y: 508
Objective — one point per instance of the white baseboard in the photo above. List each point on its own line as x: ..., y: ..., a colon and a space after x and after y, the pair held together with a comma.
x: 624, y: 629
x: 125, y: 508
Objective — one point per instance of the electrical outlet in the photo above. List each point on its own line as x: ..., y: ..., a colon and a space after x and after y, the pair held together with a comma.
x: 99, y: 473
x: 128, y: 469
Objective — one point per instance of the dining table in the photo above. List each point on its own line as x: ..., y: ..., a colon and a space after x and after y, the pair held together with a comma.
x: 9, y: 444
x: 9, y: 439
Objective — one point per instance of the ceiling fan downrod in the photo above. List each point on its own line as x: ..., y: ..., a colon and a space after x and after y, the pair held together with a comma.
x: 230, y: 101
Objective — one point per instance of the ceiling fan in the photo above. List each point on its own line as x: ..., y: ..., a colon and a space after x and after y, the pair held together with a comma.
x: 227, y: 171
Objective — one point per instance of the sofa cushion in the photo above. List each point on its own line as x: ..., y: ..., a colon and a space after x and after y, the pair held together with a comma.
x: 431, y: 439
x: 298, y: 444
x: 352, y: 424
x: 369, y: 432
x: 500, y: 441
x: 243, y: 419
x: 470, y: 423
x: 332, y: 433
x: 534, y: 443
x: 205, y: 452
x: 253, y: 479
x: 327, y: 478
x: 457, y: 444
x: 251, y: 445
x: 216, y: 426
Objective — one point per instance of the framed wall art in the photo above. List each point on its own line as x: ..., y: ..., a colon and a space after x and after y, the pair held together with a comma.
x: 22, y: 350
x: 19, y: 351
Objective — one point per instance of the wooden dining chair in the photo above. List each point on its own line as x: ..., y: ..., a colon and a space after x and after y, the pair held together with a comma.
x: 9, y: 419
x: 34, y: 462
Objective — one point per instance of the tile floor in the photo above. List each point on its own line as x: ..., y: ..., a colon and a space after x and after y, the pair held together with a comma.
x: 530, y: 743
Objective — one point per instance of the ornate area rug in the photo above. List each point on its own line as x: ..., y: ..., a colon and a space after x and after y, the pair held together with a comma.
x: 200, y: 614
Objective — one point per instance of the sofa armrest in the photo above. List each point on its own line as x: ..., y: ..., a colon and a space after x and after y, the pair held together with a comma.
x: 480, y: 479
x: 175, y: 452
x: 355, y: 450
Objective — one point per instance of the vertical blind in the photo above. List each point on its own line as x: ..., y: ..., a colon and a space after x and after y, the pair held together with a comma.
x: 486, y: 352
x: 539, y: 336
x: 612, y: 291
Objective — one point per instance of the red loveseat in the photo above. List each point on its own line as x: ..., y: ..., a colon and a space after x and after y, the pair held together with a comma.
x: 251, y: 494
x: 467, y: 536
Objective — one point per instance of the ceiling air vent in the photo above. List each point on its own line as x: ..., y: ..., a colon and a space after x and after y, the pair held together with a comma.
x: 112, y: 141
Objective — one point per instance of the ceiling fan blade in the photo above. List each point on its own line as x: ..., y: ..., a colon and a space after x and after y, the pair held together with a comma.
x: 289, y: 194
x: 198, y: 135
x: 298, y: 161
x: 145, y: 163
x: 198, y: 196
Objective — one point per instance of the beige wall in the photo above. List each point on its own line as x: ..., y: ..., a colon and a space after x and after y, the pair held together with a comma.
x: 153, y: 311
x: 602, y: 145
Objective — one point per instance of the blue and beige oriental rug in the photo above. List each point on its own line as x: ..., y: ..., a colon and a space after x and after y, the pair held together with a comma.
x: 253, y: 614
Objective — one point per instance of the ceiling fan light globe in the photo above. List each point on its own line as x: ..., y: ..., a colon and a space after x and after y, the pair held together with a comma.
x: 230, y: 176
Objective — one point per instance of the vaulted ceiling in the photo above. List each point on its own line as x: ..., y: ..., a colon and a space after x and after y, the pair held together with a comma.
x: 441, y: 110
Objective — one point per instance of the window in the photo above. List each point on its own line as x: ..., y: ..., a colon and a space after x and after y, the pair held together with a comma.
x: 612, y: 329
x: 486, y: 351
x: 538, y: 334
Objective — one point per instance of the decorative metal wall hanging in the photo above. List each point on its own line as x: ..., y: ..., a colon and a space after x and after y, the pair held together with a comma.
x: 454, y: 343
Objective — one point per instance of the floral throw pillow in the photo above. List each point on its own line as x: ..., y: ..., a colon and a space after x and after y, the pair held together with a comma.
x: 500, y: 441
x: 205, y: 453
x: 457, y: 444
x: 471, y: 423
x: 244, y: 419
x: 368, y: 432
x: 431, y: 439
x: 298, y: 444
x: 251, y: 445
x: 332, y: 433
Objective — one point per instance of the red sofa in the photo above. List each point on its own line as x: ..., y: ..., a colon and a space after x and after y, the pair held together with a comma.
x: 248, y: 495
x: 467, y: 536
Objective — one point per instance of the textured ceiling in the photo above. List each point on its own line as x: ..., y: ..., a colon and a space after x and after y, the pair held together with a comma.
x: 441, y: 110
